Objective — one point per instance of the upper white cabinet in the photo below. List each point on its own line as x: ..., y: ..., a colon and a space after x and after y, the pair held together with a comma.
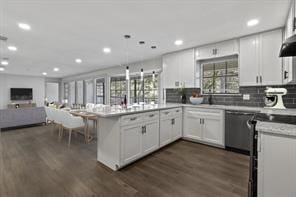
x: 220, y: 49
x: 204, y: 125
x: 178, y: 68
x: 259, y: 59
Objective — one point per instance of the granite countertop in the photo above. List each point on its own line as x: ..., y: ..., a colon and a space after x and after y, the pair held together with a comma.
x: 225, y: 107
x: 118, y: 111
x: 276, y: 128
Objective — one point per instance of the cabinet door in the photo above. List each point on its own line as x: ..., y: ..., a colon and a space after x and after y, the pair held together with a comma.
x: 151, y: 137
x: 131, y: 143
x: 249, y: 61
x: 205, y: 52
x: 227, y: 48
x: 165, y: 131
x: 192, y: 125
x: 213, y: 131
x: 276, y: 166
x: 186, y: 68
x: 171, y: 70
x: 271, y: 63
x: 177, y: 128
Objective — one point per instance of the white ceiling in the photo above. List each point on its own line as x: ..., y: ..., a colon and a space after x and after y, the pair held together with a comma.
x: 64, y: 30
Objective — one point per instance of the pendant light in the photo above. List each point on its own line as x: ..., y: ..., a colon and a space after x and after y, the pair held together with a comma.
x: 142, y: 74
x: 127, y: 75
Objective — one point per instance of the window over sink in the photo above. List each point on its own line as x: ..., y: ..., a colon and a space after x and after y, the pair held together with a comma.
x: 220, y: 77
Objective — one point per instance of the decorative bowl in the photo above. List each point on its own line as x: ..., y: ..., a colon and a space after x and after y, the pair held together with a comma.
x: 196, y: 100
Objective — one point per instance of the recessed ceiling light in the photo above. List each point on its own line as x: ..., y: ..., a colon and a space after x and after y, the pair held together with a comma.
x: 44, y: 73
x: 253, y: 22
x: 78, y: 61
x: 2, y: 69
x: 56, y: 69
x: 153, y: 47
x: 106, y: 50
x: 178, y: 42
x: 12, y: 48
x: 4, y: 62
x: 24, y: 26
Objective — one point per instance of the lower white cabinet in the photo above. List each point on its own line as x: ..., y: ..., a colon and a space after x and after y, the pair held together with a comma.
x: 150, y: 137
x: 131, y: 143
x: 165, y: 132
x: 170, y: 126
x: 276, y: 165
x: 204, y: 125
x: 139, y: 138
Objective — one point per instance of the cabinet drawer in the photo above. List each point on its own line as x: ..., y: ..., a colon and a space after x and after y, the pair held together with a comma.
x: 170, y: 113
x: 151, y: 116
x: 203, y: 112
x: 131, y: 119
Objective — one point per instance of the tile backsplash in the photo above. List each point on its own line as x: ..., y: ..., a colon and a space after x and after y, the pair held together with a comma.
x: 256, y: 96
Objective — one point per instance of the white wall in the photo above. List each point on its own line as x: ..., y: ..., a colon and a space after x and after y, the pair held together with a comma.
x: 52, y: 92
x: 17, y: 81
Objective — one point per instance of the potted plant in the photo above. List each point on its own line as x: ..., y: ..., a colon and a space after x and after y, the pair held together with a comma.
x: 211, y: 86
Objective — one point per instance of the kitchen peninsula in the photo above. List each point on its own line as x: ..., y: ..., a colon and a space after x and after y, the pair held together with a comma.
x: 125, y: 135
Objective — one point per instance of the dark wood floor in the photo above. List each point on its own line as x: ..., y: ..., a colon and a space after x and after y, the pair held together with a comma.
x: 33, y: 163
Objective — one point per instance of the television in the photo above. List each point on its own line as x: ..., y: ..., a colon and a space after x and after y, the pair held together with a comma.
x: 18, y: 94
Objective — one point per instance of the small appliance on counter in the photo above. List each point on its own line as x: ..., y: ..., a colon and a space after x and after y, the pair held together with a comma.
x: 274, y: 98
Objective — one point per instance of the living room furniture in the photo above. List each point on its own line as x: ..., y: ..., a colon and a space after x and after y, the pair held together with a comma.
x: 21, y: 105
x: 21, y: 117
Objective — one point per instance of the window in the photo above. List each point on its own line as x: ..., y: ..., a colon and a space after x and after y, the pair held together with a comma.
x: 100, y: 91
x: 118, y: 89
x: 150, y: 90
x: 220, y: 77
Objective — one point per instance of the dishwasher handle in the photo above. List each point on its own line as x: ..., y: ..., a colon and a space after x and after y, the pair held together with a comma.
x: 240, y: 113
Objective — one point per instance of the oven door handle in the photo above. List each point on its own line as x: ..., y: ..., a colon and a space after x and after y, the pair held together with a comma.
x: 249, y: 123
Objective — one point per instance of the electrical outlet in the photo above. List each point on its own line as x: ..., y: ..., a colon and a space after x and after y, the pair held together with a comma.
x: 246, y: 97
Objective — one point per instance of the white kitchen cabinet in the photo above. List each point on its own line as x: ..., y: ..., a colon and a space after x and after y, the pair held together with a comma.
x: 150, y: 137
x: 271, y: 63
x: 178, y: 69
x: 177, y: 128
x: 139, y: 135
x: 165, y: 132
x: 220, y: 49
x: 192, y: 124
x: 249, y: 61
x: 276, y: 165
x: 212, y: 130
x: 204, y: 125
x: 170, y: 126
x: 259, y: 61
x: 131, y: 143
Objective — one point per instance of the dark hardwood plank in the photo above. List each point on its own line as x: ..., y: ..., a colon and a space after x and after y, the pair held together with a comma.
x: 34, y: 163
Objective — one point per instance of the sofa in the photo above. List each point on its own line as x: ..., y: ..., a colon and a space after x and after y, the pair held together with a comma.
x: 21, y: 117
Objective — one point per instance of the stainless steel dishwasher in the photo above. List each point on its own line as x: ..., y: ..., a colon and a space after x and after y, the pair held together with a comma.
x: 237, y: 132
